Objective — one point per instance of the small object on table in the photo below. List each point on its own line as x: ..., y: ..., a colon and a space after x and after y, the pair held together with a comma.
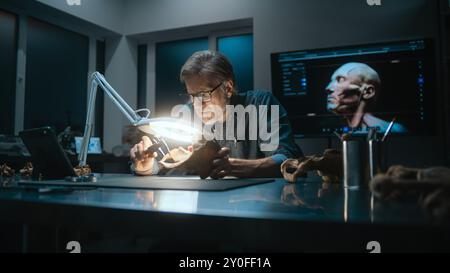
x: 27, y: 170
x: 430, y: 187
x: 199, y: 160
x: 6, y: 171
x: 329, y: 166
x: 82, y: 170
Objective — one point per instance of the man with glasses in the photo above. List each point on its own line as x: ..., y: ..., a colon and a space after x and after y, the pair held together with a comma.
x: 210, y: 85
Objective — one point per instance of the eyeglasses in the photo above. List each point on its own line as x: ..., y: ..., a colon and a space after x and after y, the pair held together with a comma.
x: 203, y: 96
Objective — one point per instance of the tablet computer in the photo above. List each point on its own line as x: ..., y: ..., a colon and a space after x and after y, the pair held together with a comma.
x: 47, y: 155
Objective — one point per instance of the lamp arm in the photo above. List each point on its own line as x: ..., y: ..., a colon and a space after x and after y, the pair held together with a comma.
x: 98, y: 79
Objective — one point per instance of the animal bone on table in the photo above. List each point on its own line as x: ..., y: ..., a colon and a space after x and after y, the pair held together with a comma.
x: 430, y: 186
x: 199, y: 160
x: 329, y: 166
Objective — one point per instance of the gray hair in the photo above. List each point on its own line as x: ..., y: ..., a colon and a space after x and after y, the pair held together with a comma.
x: 208, y: 63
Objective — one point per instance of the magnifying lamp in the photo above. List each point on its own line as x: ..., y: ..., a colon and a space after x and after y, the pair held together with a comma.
x: 159, y: 128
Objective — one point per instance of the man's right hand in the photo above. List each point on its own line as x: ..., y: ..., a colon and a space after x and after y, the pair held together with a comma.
x: 143, y: 160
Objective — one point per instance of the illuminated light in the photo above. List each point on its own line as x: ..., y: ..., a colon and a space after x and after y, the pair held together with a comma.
x: 171, y: 128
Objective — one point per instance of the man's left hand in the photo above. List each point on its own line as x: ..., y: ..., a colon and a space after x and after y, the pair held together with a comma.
x: 221, y: 164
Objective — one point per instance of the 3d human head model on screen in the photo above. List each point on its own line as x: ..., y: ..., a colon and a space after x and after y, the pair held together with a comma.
x: 352, y: 92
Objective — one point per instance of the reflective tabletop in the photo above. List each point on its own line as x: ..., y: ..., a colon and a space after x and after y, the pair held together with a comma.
x: 308, y: 216
x: 307, y: 200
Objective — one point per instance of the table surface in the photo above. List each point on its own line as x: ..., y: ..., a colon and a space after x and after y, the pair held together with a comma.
x: 308, y: 216
x: 307, y: 200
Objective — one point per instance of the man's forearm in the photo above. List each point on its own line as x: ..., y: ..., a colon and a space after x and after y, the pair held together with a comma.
x: 264, y: 167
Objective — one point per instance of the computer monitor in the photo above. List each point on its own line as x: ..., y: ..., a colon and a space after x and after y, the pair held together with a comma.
x: 94, y: 146
x: 356, y: 88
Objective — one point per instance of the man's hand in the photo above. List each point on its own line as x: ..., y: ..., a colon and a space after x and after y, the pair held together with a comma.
x: 221, y: 164
x: 143, y: 160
